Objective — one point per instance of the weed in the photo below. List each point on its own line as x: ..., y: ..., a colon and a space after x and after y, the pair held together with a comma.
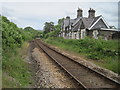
x: 14, y: 67
x: 107, y: 51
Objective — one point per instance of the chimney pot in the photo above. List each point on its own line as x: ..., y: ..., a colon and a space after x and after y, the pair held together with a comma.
x: 91, y: 13
x: 67, y: 17
x: 79, y: 12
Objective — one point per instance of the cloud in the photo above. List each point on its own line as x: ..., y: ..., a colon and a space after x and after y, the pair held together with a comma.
x: 35, y: 14
x: 59, y: 1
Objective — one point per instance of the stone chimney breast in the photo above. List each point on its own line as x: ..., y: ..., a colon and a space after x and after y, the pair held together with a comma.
x: 67, y: 17
x: 91, y: 13
x: 79, y: 12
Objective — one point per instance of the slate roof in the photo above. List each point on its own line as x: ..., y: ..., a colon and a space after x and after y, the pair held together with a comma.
x: 95, y: 19
x: 76, y: 20
x: 66, y: 22
x: 75, y: 28
x: 87, y: 22
x: 76, y: 23
x: 72, y: 21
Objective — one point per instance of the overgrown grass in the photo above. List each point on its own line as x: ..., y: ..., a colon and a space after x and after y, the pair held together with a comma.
x: 16, y: 72
x: 0, y: 78
x: 105, y: 53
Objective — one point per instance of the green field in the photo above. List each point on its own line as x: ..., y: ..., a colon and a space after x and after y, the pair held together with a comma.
x: 101, y: 52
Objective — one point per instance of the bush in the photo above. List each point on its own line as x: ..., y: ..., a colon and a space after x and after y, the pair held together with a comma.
x: 93, y: 56
x: 12, y: 63
x: 12, y: 36
x: 102, y: 50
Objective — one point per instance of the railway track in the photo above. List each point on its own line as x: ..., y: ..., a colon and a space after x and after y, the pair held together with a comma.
x: 86, y: 77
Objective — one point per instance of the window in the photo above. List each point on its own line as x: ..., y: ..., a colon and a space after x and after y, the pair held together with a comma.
x: 95, y: 34
x: 75, y: 36
x: 83, y: 34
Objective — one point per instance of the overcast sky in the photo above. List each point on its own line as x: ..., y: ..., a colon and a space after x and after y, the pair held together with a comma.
x: 35, y: 14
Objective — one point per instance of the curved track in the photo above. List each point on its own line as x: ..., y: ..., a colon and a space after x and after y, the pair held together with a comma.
x: 85, y: 76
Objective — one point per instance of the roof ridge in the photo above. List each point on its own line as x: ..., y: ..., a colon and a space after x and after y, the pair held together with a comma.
x: 95, y: 21
x: 74, y: 26
x: 77, y: 19
x: 91, y: 23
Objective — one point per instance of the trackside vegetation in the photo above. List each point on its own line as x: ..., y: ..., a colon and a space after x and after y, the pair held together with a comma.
x: 15, y: 71
x: 104, y: 53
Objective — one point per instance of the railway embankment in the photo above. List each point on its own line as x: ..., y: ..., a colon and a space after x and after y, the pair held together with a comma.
x: 85, y: 76
x: 100, y: 52
x: 87, y: 62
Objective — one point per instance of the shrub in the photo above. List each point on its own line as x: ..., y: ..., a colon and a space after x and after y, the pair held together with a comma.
x: 102, y: 50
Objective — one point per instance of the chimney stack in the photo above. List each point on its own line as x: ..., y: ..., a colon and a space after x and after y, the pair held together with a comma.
x: 79, y: 12
x: 68, y: 18
x: 91, y: 13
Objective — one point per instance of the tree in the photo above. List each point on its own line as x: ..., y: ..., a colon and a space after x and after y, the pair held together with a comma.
x: 60, y: 21
x: 49, y: 26
x: 51, y: 30
x: 58, y: 27
x: 28, y: 28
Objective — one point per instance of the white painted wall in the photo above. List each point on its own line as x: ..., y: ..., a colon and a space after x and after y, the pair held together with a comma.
x: 70, y: 35
x: 78, y: 35
x: 83, y: 33
x: 63, y: 34
x: 67, y: 36
x: 95, y: 34
x: 75, y: 35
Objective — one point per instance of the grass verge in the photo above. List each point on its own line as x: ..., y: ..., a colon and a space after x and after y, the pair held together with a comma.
x: 15, y: 70
x: 101, y: 52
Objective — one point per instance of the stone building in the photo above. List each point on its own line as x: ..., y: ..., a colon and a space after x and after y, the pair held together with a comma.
x: 91, y: 26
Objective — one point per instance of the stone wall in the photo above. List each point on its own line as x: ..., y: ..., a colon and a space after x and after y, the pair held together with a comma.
x: 104, y: 34
x: 80, y: 34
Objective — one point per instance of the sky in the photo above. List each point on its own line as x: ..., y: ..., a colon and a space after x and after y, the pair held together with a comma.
x: 35, y: 14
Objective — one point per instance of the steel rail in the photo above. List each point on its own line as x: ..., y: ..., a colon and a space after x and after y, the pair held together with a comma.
x: 83, y: 86
x: 100, y: 74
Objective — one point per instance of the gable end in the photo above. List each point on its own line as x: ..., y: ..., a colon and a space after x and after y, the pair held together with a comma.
x: 100, y: 23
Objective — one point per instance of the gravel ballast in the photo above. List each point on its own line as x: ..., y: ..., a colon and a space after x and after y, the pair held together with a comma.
x: 48, y: 74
